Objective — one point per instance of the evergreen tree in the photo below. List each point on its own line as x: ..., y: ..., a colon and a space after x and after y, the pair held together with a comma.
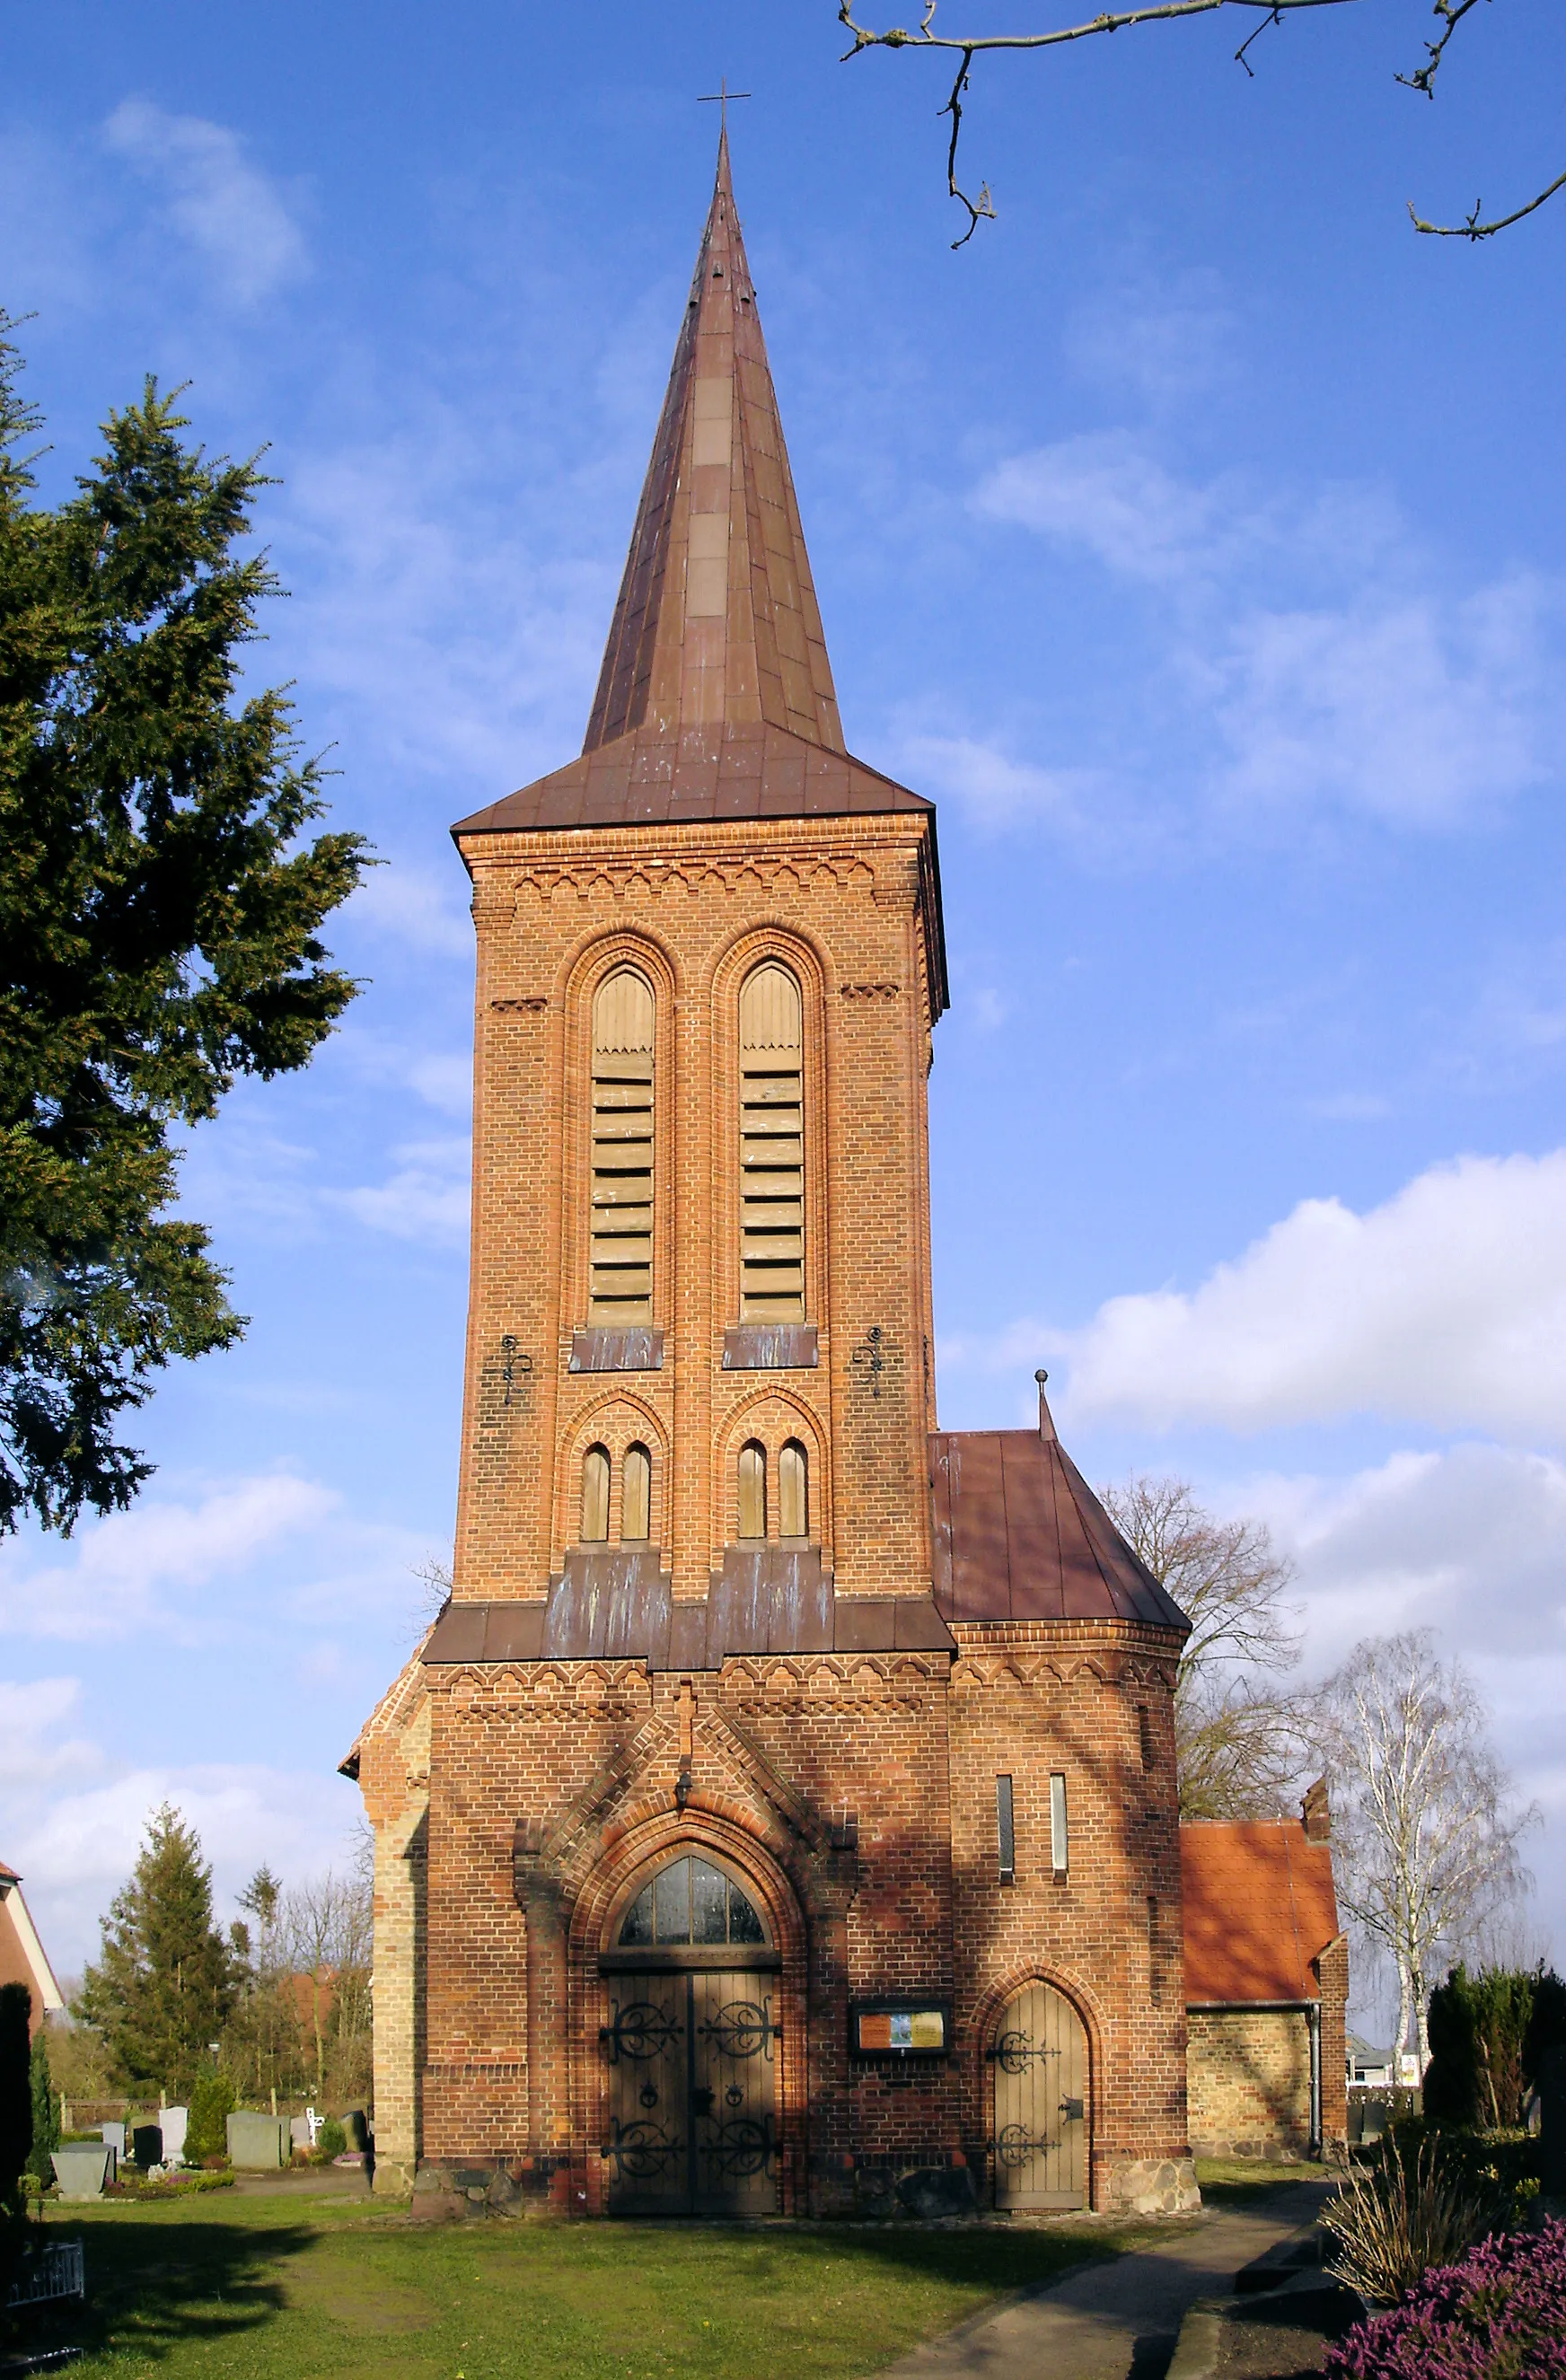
x: 159, y: 907
x: 165, y: 1979
x: 45, y: 2112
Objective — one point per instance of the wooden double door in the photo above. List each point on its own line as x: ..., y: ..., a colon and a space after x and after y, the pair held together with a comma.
x: 1040, y: 2059
x: 692, y: 2067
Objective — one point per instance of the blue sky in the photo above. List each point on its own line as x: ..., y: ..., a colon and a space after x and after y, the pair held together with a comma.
x: 1195, y: 537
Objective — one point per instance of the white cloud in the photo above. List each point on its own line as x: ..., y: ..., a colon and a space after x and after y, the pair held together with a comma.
x: 993, y: 788
x: 1313, y: 640
x: 74, y: 1850
x: 414, y: 905
x: 123, y: 1575
x: 228, y: 210
x: 34, y: 1748
x: 426, y: 1198
x: 1163, y: 344
x: 1446, y: 1306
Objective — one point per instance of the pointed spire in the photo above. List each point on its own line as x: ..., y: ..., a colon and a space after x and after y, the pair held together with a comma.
x: 716, y: 624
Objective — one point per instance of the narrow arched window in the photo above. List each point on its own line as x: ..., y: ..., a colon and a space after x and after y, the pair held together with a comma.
x: 753, y: 1489
x: 772, y: 1127
x: 595, y: 1496
x: 793, y: 1491
x: 635, y: 1496
x: 621, y: 1285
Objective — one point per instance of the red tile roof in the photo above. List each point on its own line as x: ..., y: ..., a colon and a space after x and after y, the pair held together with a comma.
x: 1258, y: 1908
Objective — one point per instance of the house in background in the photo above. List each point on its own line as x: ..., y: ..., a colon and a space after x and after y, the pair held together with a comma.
x: 1267, y: 1978
x: 1365, y: 2066
x: 22, y: 1959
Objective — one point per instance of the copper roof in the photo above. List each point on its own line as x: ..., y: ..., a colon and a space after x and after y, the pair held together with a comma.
x: 715, y: 700
x: 1019, y: 1535
x: 1259, y: 1908
x: 717, y: 617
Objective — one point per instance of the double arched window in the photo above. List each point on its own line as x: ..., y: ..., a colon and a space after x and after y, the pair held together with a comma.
x: 794, y: 1490
x: 620, y: 1287
x: 635, y: 1496
x: 771, y: 1142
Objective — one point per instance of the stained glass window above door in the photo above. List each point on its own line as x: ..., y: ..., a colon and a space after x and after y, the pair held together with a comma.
x: 690, y: 1904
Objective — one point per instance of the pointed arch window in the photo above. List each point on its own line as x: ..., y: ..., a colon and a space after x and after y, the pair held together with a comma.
x: 690, y: 1902
x: 635, y: 1496
x: 753, y: 1489
x: 771, y: 1051
x: 624, y: 1015
x: 595, y: 1496
x: 793, y: 1491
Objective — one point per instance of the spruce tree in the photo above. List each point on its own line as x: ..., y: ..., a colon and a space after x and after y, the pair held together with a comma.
x: 165, y: 1979
x: 159, y: 907
x: 45, y: 2112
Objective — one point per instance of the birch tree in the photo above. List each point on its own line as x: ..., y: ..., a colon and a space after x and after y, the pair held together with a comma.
x: 1423, y: 1817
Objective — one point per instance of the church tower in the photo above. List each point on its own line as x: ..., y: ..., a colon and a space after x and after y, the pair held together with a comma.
x: 776, y: 1757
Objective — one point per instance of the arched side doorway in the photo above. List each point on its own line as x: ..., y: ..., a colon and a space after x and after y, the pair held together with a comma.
x: 1039, y: 2060
x: 691, y: 2047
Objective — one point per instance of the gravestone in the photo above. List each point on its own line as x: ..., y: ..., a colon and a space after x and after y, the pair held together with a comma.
x: 175, y: 2122
x: 299, y: 2131
x: 115, y: 2135
x: 358, y: 2130
x: 147, y: 2145
x: 259, y: 2143
x: 81, y: 2167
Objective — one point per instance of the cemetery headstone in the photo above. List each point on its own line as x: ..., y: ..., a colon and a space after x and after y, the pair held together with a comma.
x: 299, y: 2131
x: 81, y: 2167
x: 147, y: 2145
x: 174, y: 2121
x: 353, y: 2124
x: 115, y: 2135
x: 260, y: 2144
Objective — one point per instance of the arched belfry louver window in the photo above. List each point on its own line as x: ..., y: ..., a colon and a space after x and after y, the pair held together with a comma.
x: 753, y: 1489
x: 793, y: 1491
x: 621, y: 1287
x: 690, y: 1902
x: 635, y: 1496
x: 772, y: 1038
x: 595, y: 1496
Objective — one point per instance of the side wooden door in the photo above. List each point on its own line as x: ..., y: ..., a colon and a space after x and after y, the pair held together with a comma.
x: 734, y: 2093
x: 1039, y: 2057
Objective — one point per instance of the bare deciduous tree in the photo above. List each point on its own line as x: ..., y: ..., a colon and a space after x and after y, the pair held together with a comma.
x: 1423, y: 1819
x: 329, y: 1925
x: 1241, y: 1741
x: 1262, y: 14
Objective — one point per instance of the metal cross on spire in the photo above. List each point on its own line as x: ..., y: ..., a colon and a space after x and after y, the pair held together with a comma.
x: 721, y: 97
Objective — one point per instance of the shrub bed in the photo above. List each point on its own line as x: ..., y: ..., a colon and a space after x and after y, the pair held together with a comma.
x: 1495, y: 2315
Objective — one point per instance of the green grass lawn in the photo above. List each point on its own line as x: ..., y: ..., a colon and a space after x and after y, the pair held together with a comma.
x: 246, y: 2288
x: 1237, y: 2181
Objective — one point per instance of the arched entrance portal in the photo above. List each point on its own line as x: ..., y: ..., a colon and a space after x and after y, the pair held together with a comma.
x: 691, y: 2047
x: 1041, y: 2062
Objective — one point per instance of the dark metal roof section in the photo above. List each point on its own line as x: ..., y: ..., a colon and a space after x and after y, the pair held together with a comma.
x: 1019, y: 1535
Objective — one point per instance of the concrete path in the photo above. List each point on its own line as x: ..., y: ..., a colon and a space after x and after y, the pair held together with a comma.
x: 1119, y: 2320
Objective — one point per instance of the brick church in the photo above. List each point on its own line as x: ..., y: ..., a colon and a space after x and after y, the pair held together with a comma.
x: 780, y: 1817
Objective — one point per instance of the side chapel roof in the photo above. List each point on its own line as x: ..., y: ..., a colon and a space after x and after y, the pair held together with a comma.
x: 1019, y: 1535
x: 715, y: 700
x: 1259, y: 1909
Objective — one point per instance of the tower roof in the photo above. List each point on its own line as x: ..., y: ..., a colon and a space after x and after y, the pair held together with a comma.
x: 715, y: 700
x: 717, y: 618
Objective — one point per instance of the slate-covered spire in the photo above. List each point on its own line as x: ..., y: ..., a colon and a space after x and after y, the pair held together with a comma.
x: 716, y: 624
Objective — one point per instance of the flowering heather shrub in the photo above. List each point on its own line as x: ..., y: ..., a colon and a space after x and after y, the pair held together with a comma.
x: 1499, y: 2315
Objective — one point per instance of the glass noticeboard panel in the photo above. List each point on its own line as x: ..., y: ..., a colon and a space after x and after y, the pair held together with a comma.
x: 906, y: 2030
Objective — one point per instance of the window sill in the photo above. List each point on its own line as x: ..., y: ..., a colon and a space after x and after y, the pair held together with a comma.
x: 617, y: 1347
x: 770, y: 1347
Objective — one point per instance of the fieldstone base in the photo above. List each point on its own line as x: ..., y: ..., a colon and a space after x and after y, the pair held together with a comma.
x: 1153, y: 2186
x: 452, y: 2193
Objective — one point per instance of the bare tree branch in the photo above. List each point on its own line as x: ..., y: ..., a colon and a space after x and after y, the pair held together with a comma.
x: 1271, y: 13
x: 1242, y: 1745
